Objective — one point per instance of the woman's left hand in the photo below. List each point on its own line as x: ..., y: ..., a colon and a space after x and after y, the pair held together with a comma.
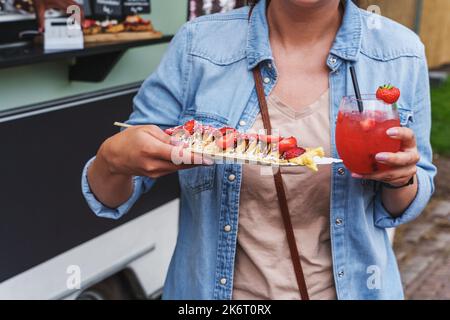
x: 403, y: 163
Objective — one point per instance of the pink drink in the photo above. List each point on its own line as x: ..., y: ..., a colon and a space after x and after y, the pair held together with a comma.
x: 360, y: 136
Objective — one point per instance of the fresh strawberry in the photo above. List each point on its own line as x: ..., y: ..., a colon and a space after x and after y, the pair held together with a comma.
x: 227, y: 141
x: 293, y: 153
x: 287, y: 144
x: 388, y: 94
x: 269, y: 138
x: 248, y: 136
x: 189, y: 126
x: 171, y: 131
x: 206, y: 128
x: 226, y: 130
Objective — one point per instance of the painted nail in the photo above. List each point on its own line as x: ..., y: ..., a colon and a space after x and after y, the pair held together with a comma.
x: 381, y: 157
x: 392, y: 132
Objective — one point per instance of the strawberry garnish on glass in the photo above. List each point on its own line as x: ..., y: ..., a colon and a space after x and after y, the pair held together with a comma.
x: 388, y: 93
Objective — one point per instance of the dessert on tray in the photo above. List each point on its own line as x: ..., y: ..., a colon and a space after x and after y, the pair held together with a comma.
x: 228, y: 144
x: 91, y: 27
x: 137, y: 23
x: 133, y: 23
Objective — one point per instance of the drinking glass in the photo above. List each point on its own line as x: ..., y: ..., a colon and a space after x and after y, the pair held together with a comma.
x: 361, y: 135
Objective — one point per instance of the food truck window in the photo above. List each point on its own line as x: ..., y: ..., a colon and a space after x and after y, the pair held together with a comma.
x: 17, y: 16
x: 18, y: 21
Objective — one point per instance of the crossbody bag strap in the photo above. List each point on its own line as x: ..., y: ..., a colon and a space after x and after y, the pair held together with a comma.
x: 295, y: 256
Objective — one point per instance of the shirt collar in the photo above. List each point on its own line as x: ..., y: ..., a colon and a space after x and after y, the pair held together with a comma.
x: 258, y: 45
x: 347, y: 43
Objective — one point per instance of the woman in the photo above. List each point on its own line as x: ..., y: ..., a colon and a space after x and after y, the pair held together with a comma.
x: 304, y: 49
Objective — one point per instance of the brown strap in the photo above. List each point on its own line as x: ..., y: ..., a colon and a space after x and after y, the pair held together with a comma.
x: 295, y: 257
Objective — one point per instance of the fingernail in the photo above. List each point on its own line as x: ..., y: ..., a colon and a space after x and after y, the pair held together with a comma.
x: 356, y: 176
x: 381, y: 157
x: 392, y: 132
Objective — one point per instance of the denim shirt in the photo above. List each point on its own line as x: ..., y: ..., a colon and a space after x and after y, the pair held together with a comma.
x: 206, y: 75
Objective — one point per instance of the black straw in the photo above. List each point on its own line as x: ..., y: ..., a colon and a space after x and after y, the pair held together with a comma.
x: 356, y: 87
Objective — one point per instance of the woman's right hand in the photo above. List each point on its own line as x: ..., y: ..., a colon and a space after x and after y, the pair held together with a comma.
x: 136, y: 151
x: 140, y: 151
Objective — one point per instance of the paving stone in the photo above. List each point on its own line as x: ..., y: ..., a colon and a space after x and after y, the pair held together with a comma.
x: 442, y: 209
x: 423, y: 253
x: 415, y: 234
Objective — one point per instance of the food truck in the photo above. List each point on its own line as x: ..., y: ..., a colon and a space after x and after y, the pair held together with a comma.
x: 61, y: 92
x: 56, y: 109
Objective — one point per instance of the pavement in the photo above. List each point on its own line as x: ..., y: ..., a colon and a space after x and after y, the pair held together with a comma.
x: 423, y: 253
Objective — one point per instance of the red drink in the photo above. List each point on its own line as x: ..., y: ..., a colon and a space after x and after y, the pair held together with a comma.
x: 360, y: 136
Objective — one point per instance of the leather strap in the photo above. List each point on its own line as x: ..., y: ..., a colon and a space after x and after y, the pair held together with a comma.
x: 295, y: 256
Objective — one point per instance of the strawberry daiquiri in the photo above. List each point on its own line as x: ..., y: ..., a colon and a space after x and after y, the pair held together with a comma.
x: 360, y: 136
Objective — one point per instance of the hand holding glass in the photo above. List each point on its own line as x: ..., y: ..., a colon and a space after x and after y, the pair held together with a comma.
x: 361, y: 135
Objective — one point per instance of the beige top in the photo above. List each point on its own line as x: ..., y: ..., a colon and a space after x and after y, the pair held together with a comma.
x: 263, y: 268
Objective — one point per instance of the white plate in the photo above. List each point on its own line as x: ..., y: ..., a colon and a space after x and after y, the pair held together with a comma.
x: 239, y: 159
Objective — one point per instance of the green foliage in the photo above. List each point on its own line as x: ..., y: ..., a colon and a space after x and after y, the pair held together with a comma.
x: 440, y: 132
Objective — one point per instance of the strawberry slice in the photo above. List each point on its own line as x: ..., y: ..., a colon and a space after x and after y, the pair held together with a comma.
x: 293, y: 153
x: 189, y: 126
x: 269, y: 138
x: 226, y: 130
x: 171, y: 131
x: 388, y: 93
x: 206, y: 128
x: 248, y: 136
x: 287, y: 144
x: 227, y: 141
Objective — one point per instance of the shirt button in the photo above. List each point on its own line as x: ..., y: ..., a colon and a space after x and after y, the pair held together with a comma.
x: 339, y: 221
x: 223, y: 281
x: 341, y: 273
x: 242, y: 123
x: 231, y: 177
x: 341, y: 171
x: 332, y: 60
x: 227, y: 228
x: 266, y: 80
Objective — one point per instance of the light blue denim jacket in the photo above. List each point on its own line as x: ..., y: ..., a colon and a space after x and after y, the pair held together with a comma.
x: 206, y: 75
